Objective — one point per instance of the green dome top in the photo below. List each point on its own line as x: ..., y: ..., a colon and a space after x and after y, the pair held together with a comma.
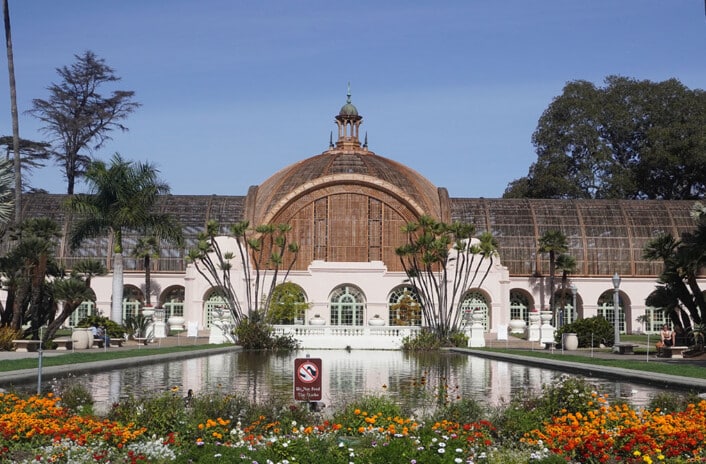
x: 348, y: 109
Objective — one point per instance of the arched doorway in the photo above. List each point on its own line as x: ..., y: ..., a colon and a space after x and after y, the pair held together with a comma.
x: 404, y: 307
x: 475, y: 301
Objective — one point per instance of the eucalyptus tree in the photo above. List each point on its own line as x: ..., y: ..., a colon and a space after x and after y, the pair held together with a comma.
x: 122, y: 198
x: 261, y: 258
x: 77, y: 117
x: 553, y: 243
x: 442, y: 262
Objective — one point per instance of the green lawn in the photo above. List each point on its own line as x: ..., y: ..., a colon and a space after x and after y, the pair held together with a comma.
x: 96, y: 355
x: 634, y: 362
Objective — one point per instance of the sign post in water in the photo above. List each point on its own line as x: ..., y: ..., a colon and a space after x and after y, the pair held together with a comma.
x: 307, y: 379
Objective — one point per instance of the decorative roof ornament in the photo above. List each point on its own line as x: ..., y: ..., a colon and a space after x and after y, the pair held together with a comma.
x: 348, y: 121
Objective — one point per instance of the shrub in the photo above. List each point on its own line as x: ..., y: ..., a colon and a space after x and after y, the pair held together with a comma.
x: 594, y: 330
x: 114, y: 329
x: 254, y: 333
x: 6, y: 336
x: 161, y: 415
x: 74, y: 396
x: 424, y: 340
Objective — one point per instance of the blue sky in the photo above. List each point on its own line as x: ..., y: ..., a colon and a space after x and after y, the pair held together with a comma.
x: 233, y: 91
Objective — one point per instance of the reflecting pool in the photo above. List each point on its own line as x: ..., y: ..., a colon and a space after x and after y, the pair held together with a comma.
x: 415, y: 380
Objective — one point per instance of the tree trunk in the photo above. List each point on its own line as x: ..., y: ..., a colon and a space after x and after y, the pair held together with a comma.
x: 148, y: 289
x: 55, y: 325
x: 116, y: 311
x: 13, y: 110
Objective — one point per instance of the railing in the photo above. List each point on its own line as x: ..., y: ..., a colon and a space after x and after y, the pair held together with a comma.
x: 371, y: 337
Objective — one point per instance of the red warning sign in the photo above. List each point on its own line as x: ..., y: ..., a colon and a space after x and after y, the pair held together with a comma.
x: 307, y: 379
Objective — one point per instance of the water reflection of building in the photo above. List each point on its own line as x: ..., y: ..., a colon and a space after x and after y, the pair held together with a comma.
x: 415, y: 381
x: 346, y: 207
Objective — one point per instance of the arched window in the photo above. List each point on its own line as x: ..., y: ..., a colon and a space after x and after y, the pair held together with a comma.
x: 404, y: 307
x: 173, y: 301
x: 85, y: 309
x: 605, y: 309
x: 214, y: 302
x: 474, y: 301
x: 347, y: 305
x: 519, y: 306
x: 132, y: 301
x: 566, y: 312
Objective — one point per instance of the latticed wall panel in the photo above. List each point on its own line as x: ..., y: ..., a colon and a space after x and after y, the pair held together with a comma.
x: 604, y: 236
x: 346, y: 226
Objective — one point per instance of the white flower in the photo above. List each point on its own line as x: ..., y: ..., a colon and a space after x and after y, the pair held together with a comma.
x: 441, y: 450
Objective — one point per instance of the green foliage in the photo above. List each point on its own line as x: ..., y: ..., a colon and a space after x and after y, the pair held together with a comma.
x: 114, y: 329
x: 602, y: 142
x: 593, y: 329
x: 668, y: 402
x: 136, y: 326
x: 161, y: 415
x: 253, y: 333
x: 464, y: 410
x: 429, y: 340
x: 424, y: 340
x: 355, y: 412
x: 287, y: 304
x: 74, y: 396
x: 529, y: 409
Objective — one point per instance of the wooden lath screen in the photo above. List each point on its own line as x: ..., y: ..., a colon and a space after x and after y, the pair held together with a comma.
x: 346, y: 227
x: 321, y: 229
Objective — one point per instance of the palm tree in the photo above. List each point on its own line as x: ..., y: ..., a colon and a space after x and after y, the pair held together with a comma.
x: 13, y: 110
x: 145, y: 249
x: 567, y: 265
x: 122, y: 198
x: 72, y: 292
x: 87, y: 269
x: 554, y: 243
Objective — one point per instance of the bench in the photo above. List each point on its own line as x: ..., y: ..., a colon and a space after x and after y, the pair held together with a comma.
x: 143, y: 340
x: 626, y: 348
x: 98, y: 343
x: 24, y: 346
x: 117, y: 342
x: 63, y: 343
x: 676, y: 352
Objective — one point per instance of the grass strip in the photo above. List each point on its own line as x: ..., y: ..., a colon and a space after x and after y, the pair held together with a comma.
x: 681, y: 368
x: 96, y: 355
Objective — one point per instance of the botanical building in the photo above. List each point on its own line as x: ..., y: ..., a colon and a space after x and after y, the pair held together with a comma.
x: 346, y: 207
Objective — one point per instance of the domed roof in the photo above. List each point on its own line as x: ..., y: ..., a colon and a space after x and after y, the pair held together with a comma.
x: 348, y: 168
x: 348, y: 110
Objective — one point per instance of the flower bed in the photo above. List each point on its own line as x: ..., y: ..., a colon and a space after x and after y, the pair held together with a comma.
x: 224, y: 428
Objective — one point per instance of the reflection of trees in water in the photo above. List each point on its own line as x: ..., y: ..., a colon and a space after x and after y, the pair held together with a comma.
x: 266, y: 375
x: 431, y: 380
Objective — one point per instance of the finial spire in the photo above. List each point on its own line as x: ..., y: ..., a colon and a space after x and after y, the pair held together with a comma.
x: 365, y: 143
x: 330, y: 140
x: 348, y: 95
